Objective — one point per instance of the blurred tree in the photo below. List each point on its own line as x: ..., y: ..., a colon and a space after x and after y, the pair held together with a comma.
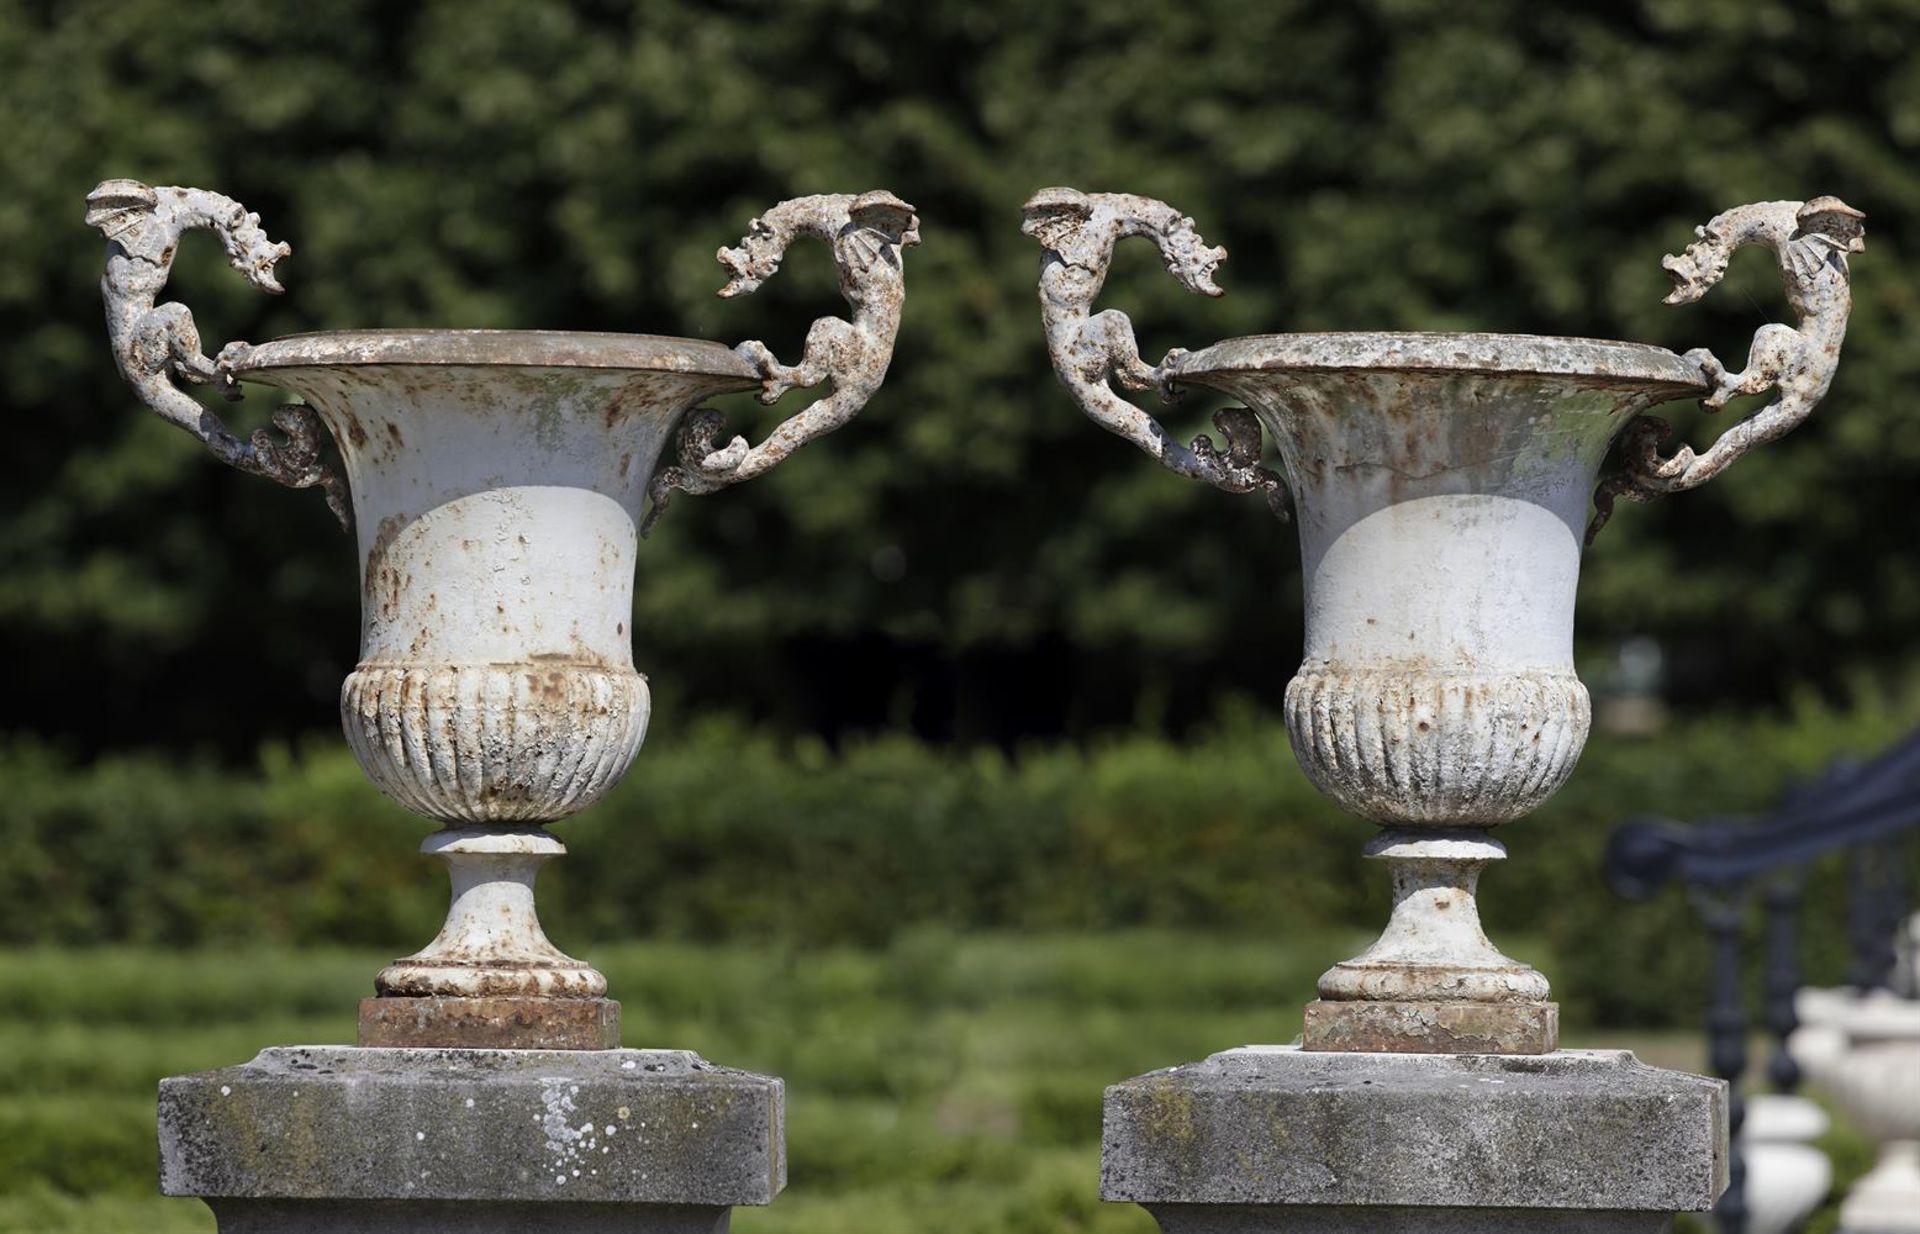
x: 970, y: 557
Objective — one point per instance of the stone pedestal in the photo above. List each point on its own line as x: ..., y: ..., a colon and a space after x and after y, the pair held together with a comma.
x: 1274, y: 1138
x: 345, y: 1140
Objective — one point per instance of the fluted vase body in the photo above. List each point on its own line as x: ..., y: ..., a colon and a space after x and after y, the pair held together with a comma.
x: 497, y: 481
x: 1442, y: 485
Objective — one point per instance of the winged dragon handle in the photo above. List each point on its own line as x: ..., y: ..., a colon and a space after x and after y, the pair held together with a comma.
x: 157, y: 346
x: 1811, y: 241
x: 1091, y: 351
x: 867, y: 233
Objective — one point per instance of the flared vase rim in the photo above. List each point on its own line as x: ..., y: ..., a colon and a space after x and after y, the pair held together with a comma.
x: 1386, y: 353
x: 513, y: 349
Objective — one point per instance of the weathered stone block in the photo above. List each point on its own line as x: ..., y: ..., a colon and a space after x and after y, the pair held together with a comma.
x: 1272, y: 1219
x: 1575, y: 1140
x: 341, y: 1139
x: 463, y: 1217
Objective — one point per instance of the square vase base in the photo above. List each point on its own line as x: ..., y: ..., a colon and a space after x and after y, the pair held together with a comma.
x: 1432, y: 1028
x: 490, y: 1023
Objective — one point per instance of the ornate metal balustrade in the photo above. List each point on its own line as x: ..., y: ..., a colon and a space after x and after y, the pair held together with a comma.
x: 1867, y: 811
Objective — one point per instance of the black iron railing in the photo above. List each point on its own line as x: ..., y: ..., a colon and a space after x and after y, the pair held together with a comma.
x: 1870, y: 811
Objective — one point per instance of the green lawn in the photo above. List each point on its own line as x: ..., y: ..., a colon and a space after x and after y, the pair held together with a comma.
x: 944, y: 1085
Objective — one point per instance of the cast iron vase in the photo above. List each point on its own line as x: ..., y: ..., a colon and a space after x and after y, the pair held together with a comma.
x: 496, y: 481
x: 1441, y: 483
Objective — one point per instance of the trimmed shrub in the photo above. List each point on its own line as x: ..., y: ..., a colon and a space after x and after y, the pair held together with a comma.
x: 725, y: 832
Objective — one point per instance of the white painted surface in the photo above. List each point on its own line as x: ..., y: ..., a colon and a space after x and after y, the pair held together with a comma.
x: 1865, y: 1052
x: 1787, y: 1176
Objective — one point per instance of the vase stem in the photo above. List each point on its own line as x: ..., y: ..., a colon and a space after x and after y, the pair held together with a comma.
x: 492, y: 944
x: 1433, y: 982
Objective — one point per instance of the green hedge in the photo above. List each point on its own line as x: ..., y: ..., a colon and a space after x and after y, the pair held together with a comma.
x: 724, y: 832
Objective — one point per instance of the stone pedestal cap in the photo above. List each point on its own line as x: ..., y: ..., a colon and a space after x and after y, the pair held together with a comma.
x: 604, y: 1127
x: 1589, y: 1130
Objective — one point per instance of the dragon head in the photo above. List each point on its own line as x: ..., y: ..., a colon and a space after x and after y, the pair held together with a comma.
x: 1699, y: 267
x: 1191, y: 259
x: 131, y: 214
x: 250, y: 251
x: 1055, y: 217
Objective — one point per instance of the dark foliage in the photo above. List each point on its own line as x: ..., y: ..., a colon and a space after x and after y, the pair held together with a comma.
x: 970, y: 560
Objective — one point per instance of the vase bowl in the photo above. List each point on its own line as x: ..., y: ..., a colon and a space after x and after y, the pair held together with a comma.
x: 1441, y: 485
x: 497, y: 480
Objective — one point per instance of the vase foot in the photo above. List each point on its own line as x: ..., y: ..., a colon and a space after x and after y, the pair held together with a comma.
x: 1433, y: 983
x: 491, y: 946
x: 1432, y: 1027
x: 490, y: 1023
